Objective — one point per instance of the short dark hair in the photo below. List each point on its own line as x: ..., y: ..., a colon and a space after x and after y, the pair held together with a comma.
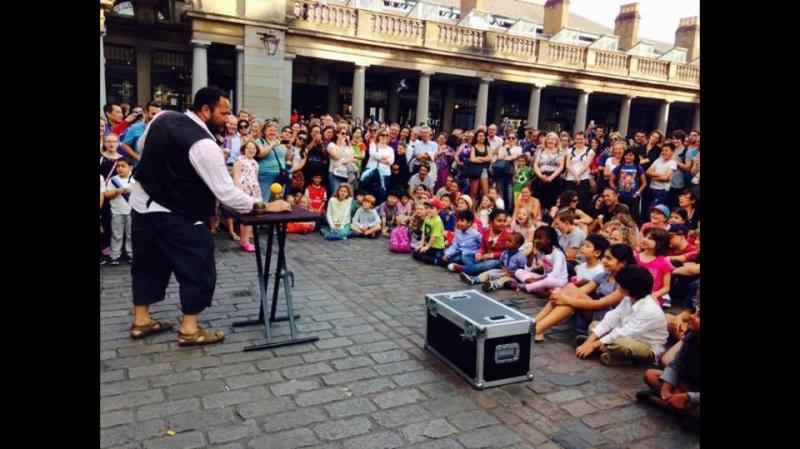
x: 636, y: 280
x: 496, y: 212
x: 126, y: 159
x: 580, y: 133
x: 392, y: 193
x: 108, y: 107
x: 425, y: 165
x: 516, y: 237
x: 208, y: 96
x: 599, y: 243
x: 446, y: 194
x: 681, y: 212
x: 669, y: 145
x: 565, y: 216
x: 623, y: 253
x: 465, y: 215
x: 692, y: 195
x: 154, y: 104
x: 640, y: 131
x: 694, y: 130
x: 679, y: 134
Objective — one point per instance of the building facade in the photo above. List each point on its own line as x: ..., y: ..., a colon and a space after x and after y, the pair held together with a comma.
x: 449, y: 63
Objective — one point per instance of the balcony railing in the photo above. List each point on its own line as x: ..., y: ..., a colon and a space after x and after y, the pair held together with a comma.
x: 388, y: 28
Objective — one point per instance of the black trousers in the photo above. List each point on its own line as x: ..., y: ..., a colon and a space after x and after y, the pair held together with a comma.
x: 167, y: 243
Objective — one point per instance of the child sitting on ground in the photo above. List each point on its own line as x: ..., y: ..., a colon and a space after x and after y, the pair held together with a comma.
x: 484, y: 210
x: 633, y: 332
x: 655, y: 246
x: 303, y: 227
x: 338, y: 214
x: 388, y: 213
x: 415, y: 225
x: 547, y: 257
x: 366, y: 222
x: 592, y: 250
x: 677, y: 388
x: 466, y: 242
x: 431, y: 246
x: 512, y: 260
x: 359, y: 198
x: 317, y: 194
x: 494, y: 195
x: 405, y: 208
x: 659, y: 214
x: 570, y: 238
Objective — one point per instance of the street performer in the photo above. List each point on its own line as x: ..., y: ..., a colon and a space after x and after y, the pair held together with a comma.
x: 180, y: 173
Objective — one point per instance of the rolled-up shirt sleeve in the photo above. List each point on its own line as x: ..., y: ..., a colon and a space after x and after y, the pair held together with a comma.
x: 206, y: 158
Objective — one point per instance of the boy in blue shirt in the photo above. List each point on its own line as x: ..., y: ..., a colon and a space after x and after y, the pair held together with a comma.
x: 512, y: 259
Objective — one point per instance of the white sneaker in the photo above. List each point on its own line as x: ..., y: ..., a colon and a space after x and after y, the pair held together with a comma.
x: 451, y: 267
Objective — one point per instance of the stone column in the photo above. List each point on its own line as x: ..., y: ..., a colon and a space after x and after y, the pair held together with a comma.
x: 423, y: 98
x: 449, y: 103
x: 359, y: 76
x: 102, y: 72
x: 534, y: 105
x: 663, y: 116
x: 580, y: 113
x: 624, y: 115
x: 483, y: 102
x: 288, y: 77
x: 239, y: 77
x: 199, y: 65
x: 696, y: 121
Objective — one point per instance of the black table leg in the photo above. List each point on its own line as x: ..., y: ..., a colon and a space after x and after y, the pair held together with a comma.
x: 263, y: 276
x: 280, y: 273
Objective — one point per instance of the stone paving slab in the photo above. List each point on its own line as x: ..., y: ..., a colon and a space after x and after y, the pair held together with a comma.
x: 367, y: 383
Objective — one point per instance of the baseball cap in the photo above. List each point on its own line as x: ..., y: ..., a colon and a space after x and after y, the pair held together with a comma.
x: 661, y: 208
x: 434, y: 202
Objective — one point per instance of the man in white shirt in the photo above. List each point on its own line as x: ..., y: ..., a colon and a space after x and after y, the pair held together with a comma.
x: 633, y: 332
x: 425, y: 150
x: 178, y: 179
x: 495, y: 141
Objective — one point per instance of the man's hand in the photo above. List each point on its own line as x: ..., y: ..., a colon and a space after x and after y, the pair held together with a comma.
x: 275, y: 206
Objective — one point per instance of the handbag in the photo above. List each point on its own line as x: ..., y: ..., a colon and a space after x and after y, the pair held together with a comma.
x: 284, y: 176
x: 341, y: 172
x: 502, y: 167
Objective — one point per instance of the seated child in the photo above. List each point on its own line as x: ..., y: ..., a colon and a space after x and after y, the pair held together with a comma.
x: 366, y: 222
x: 592, y: 250
x: 570, y: 237
x: 512, y: 260
x: 338, y: 214
x: 655, y: 244
x: 547, y: 258
x: 659, y: 214
x: 466, y: 242
x: 388, y: 213
x: 302, y: 227
x: 415, y: 224
x: 633, y: 332
x: 405, y: 208
x: 431, y: 246
x: 317, y: 195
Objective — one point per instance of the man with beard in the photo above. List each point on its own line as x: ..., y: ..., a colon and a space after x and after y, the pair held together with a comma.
x: 178, y: 177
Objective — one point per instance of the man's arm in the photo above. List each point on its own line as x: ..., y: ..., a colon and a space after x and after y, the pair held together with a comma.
x: 204, y: 156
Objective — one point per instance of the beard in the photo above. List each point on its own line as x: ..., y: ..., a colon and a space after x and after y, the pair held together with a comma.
x: 213, y: 128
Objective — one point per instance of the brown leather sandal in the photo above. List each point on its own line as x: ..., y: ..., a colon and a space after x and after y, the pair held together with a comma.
x: 200, y: 337
x: 153, y: 327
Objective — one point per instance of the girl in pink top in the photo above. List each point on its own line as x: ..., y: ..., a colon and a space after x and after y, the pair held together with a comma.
x: 655, y: 245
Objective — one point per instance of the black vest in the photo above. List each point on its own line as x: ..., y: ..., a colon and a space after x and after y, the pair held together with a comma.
x: 166, y: 173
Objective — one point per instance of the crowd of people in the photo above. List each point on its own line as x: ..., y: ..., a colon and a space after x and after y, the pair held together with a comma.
x: 605, y: 228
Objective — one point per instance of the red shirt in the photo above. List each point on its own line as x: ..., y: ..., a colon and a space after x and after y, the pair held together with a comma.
x: 121, y: 127
x: 317, y: 197
x: 495, y: 247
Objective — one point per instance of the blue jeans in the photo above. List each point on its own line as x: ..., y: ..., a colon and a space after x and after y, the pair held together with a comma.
x: 504, y: 187
x: 334, y: 182
x: 462, y: 259
x: 265, y: 180
x: 476, y: 268
x: 655, y: 197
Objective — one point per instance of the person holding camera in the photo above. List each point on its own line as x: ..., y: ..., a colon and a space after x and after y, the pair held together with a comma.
x: 341, y: 168
x: 178, y: 179
x: 135, y: 131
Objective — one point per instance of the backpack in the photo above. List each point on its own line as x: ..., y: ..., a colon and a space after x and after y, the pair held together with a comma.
x: 400, y: 240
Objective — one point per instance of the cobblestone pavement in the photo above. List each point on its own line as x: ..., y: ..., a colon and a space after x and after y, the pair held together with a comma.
x: 367, y: 383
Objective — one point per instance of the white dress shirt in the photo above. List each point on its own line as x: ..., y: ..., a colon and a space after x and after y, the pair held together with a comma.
x: 643, y: 321
x: 206, y: 157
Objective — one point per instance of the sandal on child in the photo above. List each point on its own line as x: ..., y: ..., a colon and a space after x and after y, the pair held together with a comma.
x: 200, y: 337
x: 538, y: 337
x: 153, y: 327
